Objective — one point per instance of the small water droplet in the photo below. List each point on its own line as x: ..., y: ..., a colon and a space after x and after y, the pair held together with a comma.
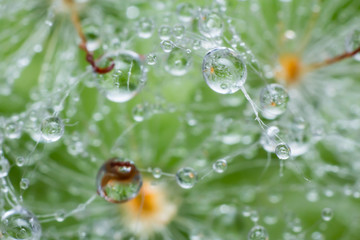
x: 24, y: 183
x: 167, y: 45
x: 178, y: 62
x: 145, y: 27
x: 282, y: 151
x: 220, y: 166
x: 156, y: 172
x: 186, y: 177
x: 165, y: 32
x: 52, y: 129
x: 327, y: 214
x: 258, y: 233
x: 273, y: 101
x: 185, y: 12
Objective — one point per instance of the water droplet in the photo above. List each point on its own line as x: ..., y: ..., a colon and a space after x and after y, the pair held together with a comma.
x: 185, y: 12
x: 126, y: 79
x: 151, y: 59
x: 20, y: 224
x: 296, y: 225
x: 327, y: 214
x: 270, y: 219
x: 145, y: 27
x: 13, y: 129
x: 49, y: 23
x: 224, y: 67
x: 156, y: 172
x: 20, y: 161
x: 317, y: 236
x: 282, y: 151
x: 290, y: 34
x: 210, y: 24
x: 165, y: 32
x: 167, y: 45
x: 24, y: 183
x: 60, y: 215
x: 52, y: 129
x: 272, y: 131
x: 254, y: 216
x: 38, y: 48
x: 179, y: 31
x: 4, y: 167
x: 273, y: 101
x: 132, y: 12
x: 118, y: 181
x: 220, y: 166
x: 186, y: 177
x: 258, y: 233
x: 353, y: 42
x: 312, y: 196
x: 178, y: 62
x: 246, y: 211
x: 140, y: 112
x: 196, y: 44
x: 92, y: 34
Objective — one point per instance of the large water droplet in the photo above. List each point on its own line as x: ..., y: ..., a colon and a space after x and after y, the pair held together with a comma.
x: 20, y: 224
x: 118, y: 181
x: 126, y: 79
x: 223, y: 70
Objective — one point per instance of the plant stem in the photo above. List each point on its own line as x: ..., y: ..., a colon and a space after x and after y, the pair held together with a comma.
x: 333, y: 60
x: 89, y: 55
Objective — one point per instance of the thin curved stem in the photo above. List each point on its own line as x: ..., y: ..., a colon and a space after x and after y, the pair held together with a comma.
x: 333, y: 60
x: 89, y: 55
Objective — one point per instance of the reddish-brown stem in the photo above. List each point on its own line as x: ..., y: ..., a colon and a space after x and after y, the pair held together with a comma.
x: 334, y: 59
x: 89, y: 55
